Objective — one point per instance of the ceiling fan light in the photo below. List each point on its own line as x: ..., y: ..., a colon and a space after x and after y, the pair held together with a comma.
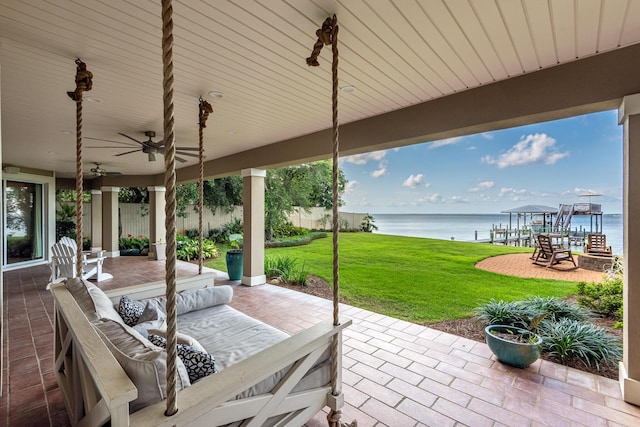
x: 216, y: 94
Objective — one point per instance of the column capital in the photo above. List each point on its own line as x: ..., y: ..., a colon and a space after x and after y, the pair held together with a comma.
x: 157, y: 188
x: 109, y: 189
x: 630, y: 106
x: 253, y: 172
x: 96, y: 192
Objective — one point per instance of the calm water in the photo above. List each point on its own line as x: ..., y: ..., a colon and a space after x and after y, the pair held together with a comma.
x: 463, y: 227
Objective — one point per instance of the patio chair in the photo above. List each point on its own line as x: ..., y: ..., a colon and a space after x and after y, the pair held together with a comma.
x: 63, y: 265
x: 550, y: 254
x: 597, y: 245
x: 88, y: 257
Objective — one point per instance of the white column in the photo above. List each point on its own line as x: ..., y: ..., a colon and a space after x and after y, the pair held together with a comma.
x: 157, y: 215
x: 96, y: 218
x: 253, y: 222
x: 110, y: 221
x: 629, y: 117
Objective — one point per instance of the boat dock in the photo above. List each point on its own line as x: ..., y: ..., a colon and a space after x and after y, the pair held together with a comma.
x: 532, y: 220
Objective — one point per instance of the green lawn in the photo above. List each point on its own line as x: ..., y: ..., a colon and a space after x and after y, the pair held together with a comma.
x: 419, y: 280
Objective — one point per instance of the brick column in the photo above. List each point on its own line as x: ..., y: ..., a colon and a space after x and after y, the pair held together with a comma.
x: 253, y: 219
x: 629, y: 117
x: 110, y: 220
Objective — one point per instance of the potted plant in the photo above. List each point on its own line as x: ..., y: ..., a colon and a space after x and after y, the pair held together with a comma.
x: 234, y: 257
x: 512, y: 345
x: 160, y: 250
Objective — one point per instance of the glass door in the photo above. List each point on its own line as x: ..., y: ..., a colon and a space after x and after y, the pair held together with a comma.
x: 23, y: 222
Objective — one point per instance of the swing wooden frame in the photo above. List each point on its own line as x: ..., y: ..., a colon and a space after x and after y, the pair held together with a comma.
x: 96, y: 388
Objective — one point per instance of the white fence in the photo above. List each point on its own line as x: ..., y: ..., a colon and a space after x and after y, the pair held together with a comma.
x: 134, y: 219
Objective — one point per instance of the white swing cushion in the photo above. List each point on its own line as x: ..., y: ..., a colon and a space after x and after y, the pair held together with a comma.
x: 144, y: 363
x: 94, y: 303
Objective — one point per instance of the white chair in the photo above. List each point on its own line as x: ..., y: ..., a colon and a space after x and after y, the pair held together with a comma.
x: 64, y: 262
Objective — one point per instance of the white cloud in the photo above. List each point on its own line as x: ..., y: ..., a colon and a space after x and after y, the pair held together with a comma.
x: 538, y: 148
x: 458, y: 199
x: 510, y: 193
x: 443, y: 142
x: 379, y: 172
x: 487, y: 135
x: 413, y: 181
x: 433, y: 199
x: 350, y: 187
x: 362, y: 159
x: 483, y: 186
x: 436, y: 198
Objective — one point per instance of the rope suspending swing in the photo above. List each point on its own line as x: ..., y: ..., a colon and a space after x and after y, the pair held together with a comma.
x: 328, y: 35
x: 170, y: 205
x: 84, y: 82
x: 204, y: 110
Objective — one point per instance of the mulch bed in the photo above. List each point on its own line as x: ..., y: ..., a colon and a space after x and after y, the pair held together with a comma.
x: 469, y: 327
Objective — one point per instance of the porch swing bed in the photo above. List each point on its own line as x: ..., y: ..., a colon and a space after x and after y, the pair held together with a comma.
x: 108, y: 371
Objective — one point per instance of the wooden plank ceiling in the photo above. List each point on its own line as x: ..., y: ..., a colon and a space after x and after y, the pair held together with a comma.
x: 396, y: 53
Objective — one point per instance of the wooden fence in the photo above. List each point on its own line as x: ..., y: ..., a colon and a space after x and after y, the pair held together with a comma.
x: 134, y: 219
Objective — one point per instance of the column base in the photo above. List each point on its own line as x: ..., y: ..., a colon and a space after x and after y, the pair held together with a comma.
x: 630, y: 388
x: 254, y: 280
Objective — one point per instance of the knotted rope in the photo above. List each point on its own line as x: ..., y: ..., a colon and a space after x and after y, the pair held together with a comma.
x: 84, y: 82
x: 328, y: 34
x: 205, y: 110
x: 170, y: 207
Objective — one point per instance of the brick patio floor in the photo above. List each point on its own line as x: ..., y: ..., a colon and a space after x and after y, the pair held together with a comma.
x: 396, y: 373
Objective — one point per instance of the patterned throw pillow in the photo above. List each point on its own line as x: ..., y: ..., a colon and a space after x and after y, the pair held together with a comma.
x: 198, y: 363
x: 130, y: 310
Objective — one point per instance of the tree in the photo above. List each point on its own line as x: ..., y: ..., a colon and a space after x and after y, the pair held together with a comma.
x: 307, y: 185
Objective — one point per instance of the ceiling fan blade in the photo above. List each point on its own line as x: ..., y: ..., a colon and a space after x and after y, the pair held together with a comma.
x: 180, y: 159
x: 128, y: 152
x: 188, y: 148
x: 187, y: 154
x: 152, y: 157
x: 133, y: 139
x: 113, y: 173
x: 106, y: 146
x: 110, y: 140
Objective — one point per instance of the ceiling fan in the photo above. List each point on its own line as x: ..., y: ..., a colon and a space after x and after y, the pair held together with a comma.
x: 98, y: 171
x: 152, y: 148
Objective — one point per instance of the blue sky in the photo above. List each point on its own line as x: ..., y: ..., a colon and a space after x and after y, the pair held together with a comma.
x: 547, y: 164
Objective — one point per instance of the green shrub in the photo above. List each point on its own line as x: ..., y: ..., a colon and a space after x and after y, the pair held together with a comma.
x: 295, y: 241
x: 289, y: 230
x: 556, y: 309
x: 603, y: 298
x: 133, y: 242
x: 521, y: 313
x: 235, y: 226
x: 286, y: 269
x: 219, y: 235
x: 187, y: 249
x: 568, y: 339
x: 192, y: 233
x: 511, y: 313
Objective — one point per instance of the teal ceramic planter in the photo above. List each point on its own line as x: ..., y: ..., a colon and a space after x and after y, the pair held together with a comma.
x: 234, y: 264
x: 513, y: 353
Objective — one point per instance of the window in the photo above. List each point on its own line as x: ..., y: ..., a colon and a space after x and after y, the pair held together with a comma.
x: 23, y: 222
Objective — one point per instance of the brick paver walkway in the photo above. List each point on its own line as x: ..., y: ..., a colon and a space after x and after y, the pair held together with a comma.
x: 396, y: 373
x: 520, y: 265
